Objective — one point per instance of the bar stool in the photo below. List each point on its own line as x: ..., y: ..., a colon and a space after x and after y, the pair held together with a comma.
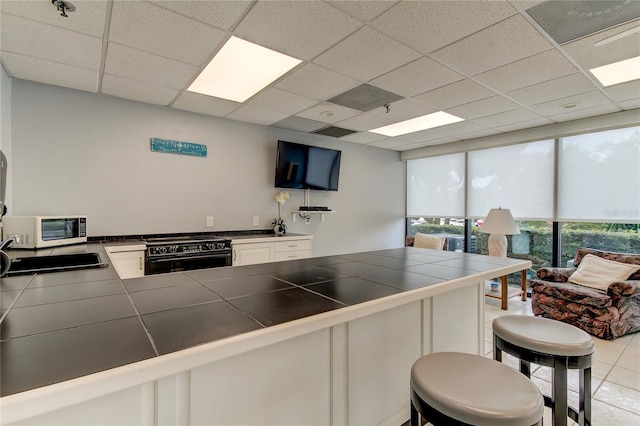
x: 554, y: 344
x: 452, y: 388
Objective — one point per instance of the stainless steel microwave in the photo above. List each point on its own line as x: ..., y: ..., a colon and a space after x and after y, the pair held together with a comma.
x: 36, y: 232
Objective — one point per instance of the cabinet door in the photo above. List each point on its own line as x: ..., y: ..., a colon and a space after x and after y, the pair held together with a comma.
x: 128, y: 264
x: 250, y: 254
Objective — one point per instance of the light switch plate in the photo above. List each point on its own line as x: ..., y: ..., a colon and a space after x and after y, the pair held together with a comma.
x: 209, y: 221
x: 256, y: 221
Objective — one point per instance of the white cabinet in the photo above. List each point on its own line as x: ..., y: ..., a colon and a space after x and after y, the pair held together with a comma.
x: 250, y: 254
x: 261, y: 250
x: 290, y: 250
x: 127, y: 260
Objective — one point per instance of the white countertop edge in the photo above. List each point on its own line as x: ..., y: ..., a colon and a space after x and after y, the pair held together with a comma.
x: 37, y: 401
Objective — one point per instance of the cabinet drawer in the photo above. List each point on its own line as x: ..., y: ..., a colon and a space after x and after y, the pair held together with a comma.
x: 291, y: 255
x: 281, y: 246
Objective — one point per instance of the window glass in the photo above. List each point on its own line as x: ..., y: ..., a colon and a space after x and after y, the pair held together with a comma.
x: 452, y: 229
x: 517, y: 177
x: 435, y: 186
x: 599, y: 177
x: 617, y: 237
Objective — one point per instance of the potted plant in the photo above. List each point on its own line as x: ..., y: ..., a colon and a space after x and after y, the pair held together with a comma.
x: 279, y: 227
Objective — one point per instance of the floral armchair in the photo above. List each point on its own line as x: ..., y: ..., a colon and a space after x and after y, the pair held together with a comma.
x: 605, y: 314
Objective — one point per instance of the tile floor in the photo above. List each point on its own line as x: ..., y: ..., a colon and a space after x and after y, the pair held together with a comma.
x: 615, y: 374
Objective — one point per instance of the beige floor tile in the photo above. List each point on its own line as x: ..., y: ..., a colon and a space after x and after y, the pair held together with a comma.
x: 600, y: 369
x: 607, y: 415
x: 630, y: 360
x: 618, y: 345
x: 607, y: 355
x: 623, y: 377
x: 619, y: 396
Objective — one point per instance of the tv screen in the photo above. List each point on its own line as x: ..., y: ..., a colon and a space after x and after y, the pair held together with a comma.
x: 307, y: 167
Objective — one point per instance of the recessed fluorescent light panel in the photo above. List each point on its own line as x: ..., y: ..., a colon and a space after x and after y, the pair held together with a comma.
x: 425, y: 122
x: 618, y: 72
x: 240, y: 70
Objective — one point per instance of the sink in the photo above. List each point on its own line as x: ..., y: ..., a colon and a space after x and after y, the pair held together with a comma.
x: 55, y: 263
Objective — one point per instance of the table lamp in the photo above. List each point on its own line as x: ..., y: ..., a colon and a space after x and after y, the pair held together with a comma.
x: 499, y: 223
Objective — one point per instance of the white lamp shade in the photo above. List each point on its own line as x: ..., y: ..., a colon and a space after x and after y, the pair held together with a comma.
x: 500, y: 221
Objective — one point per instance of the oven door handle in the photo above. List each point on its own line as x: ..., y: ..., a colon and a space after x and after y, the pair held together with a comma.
x: 176, y: 258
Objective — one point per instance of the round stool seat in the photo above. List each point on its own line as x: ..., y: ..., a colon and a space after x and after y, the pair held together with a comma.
x: 543, y: 335
x: 476, y: 390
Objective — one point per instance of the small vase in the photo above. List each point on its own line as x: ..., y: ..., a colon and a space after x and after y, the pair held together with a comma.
x: 279, y: 230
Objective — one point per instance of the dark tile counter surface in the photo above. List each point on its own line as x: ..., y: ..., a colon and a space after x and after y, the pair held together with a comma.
x: 64, y: 325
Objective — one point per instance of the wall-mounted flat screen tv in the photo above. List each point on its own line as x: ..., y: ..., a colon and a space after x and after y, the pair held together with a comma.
x: 307, y: 167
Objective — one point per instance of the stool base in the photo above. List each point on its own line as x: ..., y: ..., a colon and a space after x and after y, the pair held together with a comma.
x: 560, y: 364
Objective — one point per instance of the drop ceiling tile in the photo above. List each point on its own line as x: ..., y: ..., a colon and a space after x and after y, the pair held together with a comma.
x: 454, y: 94
x: 624, y: 91
x: 391, y: 143
x: 364, y: 122
x: 503, y: 43
x: 281, y: 101
x: 417, y: 77
x: 255, y: 115
x: 88, y: 18
x: 483, y: 108
x: 481, y: 133
x: 316, y: 82
x: 544, y: 66
x: 448, y: 131
x: 586, y: 113
x: 328, y: 113
x: 430, y: 25
x: 208, y: 105
x: 425, y: 144
x: 364, y: 137
x: 628, y: 105
x: 137, y: 91
x: 367, y: 54
x: 302, y: 29
x: 150, y: 28
x: 299, y: 124
x: 42, y: 71
x: 363, y: 11
x: 558, y: 106
x: 524, y: 125
x: 134, y: 64
x: 220, y: 14
x: 403, y: 109
x: 506, y: 118
x: 562, y: 87
x: 590, y: 56
x: 29, y: 38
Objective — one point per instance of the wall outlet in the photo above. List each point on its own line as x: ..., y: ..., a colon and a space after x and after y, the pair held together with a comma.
x: 209, y: 221
x: 256, y: 221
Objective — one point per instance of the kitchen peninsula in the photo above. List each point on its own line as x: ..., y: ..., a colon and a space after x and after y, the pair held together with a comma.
x: 324, y: 340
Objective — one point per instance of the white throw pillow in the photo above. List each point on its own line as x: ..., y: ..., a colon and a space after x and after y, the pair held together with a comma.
x: 597, y: 272
x: 435, y: 242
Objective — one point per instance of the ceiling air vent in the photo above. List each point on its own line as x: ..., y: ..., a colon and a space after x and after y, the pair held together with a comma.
x: 568, y: 20
x: 365, y: 98
x: 333, y: 131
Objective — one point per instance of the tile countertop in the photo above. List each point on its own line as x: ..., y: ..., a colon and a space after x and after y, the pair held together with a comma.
x: 64, y: 325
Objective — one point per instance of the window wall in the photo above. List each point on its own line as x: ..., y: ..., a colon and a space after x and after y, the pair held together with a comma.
x: 587, y: 185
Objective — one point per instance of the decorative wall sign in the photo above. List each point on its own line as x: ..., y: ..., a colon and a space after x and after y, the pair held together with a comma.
x: 177, y: 147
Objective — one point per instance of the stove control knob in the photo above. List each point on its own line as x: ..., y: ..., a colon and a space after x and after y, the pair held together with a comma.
x: 162, y: 250
x: 173, y: 249
x: 220, y: 245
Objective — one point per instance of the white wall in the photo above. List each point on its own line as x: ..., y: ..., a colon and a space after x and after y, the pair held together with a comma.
x: 80, y: 153
x: 5, y: 126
